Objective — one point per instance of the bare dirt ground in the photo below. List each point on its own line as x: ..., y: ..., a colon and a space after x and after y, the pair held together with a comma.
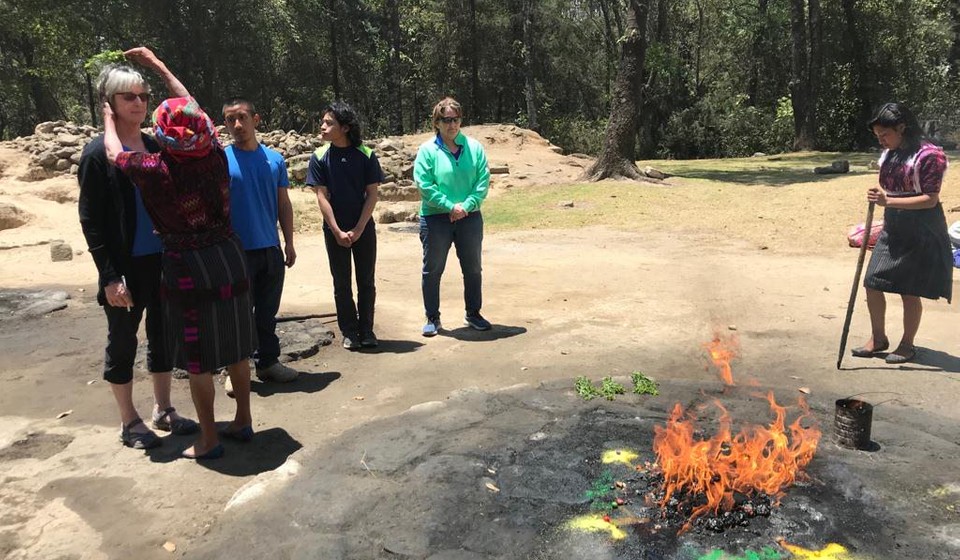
x: 592, y: 301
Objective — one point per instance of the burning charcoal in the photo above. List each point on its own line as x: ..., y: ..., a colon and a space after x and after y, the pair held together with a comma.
x: 713, y: 524
x: 748, y: 509
x: 725, y: 448
x: 727, y: 519
x: 763, y: 510
x: 740, y: 518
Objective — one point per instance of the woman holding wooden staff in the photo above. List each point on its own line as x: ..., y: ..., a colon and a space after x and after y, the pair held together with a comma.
x: 912, y: 256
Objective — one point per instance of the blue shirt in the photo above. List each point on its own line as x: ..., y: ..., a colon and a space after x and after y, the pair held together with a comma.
x: 145, y: 238
x: 255, y: 176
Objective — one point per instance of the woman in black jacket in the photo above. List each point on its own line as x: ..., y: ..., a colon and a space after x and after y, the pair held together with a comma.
x: 126, y: 250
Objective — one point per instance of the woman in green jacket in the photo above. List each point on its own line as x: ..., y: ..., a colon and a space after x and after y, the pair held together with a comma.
x: 451, y: 173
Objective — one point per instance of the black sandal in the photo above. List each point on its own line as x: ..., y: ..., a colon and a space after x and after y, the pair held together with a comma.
x: 178, y: 426
x: 138, y: 440
x: 894, y: 358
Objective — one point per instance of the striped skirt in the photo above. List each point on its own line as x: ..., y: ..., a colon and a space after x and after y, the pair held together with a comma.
x: 207, y: 306
x: 912, y: 256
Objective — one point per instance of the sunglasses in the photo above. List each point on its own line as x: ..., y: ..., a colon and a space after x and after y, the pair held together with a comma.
x: 130, y: 97
x: 448, y: 120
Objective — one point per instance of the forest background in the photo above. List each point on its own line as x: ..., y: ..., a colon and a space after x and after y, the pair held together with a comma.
x: 720, y: 77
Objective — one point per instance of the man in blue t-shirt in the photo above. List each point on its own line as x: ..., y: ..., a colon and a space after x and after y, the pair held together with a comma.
x: 346, y: 175
x: 258, y: 200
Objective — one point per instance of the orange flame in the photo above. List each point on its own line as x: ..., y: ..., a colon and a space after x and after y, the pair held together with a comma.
x: 757, y: 459
x: 721, y: 353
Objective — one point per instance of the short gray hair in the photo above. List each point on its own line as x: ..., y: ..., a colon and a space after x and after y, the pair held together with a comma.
x: 117, y: 78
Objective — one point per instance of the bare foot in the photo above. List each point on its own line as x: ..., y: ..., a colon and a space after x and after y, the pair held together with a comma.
x: 871, y: 348
x: 200, y: 451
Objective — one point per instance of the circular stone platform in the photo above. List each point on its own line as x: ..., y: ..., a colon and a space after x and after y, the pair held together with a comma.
x: 508, y: 475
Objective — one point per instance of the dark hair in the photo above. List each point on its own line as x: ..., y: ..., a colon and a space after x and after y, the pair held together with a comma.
x: 891, y: 115
x: 346, y: 116
x: 240, y: 101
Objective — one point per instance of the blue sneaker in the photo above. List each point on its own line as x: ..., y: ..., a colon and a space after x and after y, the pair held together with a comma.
x: 432, y: 327
x: 477, y: 322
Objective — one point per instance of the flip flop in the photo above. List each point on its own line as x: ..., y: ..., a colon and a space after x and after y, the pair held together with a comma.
x: 862, y: 351
x: 900, y: 358
x: 214, y: 453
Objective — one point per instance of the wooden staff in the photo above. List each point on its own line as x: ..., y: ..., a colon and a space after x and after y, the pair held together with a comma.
x: 856, y: 282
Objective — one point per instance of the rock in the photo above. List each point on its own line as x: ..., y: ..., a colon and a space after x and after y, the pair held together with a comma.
x: 47, y: 159
x: 580, y: 156
x: 62, y: 165
x: 302, y: 339
x: 406, y: 171
x: 74, y: 169
x: 874, y: 165
x: 298, y: 171
x: 44, y: 128
x: 394, y: 192
x: 31, y: 303
x: 11, y: 216
x: 499, y: 169
x: 75, y: 158
x: 654, y: 173
x: 59, y: 194
x: 389, y: 146
x: 68, y: 139
x: 60, y: 251
x: 556, y: 149
x: 393, y: 212
x: 841, y: 166
x: 566, y: 204
x: 759, y: 154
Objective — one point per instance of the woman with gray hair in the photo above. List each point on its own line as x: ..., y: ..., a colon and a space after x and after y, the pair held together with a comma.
x: 126, y: 250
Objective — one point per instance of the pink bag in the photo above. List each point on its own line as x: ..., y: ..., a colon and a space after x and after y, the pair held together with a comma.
x: 855, y: 235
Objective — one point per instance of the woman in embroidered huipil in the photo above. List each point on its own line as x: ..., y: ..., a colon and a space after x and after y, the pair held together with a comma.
x: 912, y: 256
x: 186, y: 190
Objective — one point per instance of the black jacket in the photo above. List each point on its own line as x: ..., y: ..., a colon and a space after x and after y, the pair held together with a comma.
x: 108, y: 212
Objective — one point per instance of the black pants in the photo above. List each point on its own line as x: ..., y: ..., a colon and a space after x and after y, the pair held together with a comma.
x: 143, y: 282
x: 354, y: 319
x: 265, y: 268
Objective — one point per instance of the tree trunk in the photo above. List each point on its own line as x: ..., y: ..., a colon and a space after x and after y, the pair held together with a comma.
x: 757, y: 50
x: 862, y: 138
x: 475, y: 105
x: 394, y: 94
x: 334, y: 49
x: 799, y: 86
x: 616, y: 159
x: 530, y: 87
x: 954, y: 56
x: 814, y: 71
x: 91, y: 99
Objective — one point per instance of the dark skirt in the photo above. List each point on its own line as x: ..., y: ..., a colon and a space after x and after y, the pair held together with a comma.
x: 207, y: 306
x: 912, y: 256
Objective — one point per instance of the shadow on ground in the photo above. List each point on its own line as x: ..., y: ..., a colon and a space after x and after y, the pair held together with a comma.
x: 265, y: 452
x: 304, y: 383
x: 497, y: 332
x: 926, y: 360
x: 393, y: 347
x: 774, y: 170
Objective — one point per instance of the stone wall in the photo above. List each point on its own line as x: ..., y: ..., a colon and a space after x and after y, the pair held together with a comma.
x: 55, y: 148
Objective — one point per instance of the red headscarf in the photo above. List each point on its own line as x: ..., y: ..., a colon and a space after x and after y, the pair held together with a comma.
x: 182, y: 128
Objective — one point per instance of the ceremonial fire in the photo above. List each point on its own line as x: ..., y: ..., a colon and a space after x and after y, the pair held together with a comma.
x: 720, y: 474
